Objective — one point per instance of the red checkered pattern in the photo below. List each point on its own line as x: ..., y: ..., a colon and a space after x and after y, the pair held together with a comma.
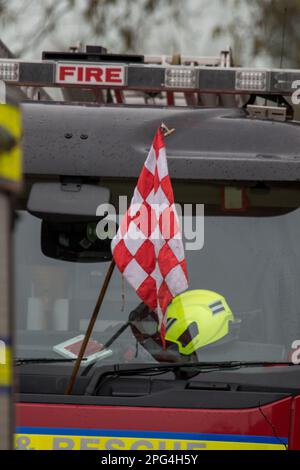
x: 148, y: 248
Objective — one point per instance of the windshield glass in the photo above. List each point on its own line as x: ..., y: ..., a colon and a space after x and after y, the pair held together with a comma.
x: 251, y: 258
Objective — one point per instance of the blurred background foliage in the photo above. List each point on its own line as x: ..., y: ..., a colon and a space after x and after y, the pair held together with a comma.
x: 259, y: 31
x: 266, y: 29
x: 122, y: 25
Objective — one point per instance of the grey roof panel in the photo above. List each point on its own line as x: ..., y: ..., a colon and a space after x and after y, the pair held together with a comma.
x: 112, y: 141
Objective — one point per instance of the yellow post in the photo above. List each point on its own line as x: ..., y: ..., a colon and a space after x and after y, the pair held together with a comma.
x: 10, y: 180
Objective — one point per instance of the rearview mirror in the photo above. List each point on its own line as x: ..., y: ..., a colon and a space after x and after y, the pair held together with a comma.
x: 67, y: 200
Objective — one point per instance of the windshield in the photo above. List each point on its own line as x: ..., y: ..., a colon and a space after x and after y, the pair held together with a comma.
x: 251, y: 258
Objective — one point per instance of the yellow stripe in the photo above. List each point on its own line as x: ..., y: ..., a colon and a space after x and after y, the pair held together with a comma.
x: 10, y: 162
x: 67, y: 442
x: 5, y: 365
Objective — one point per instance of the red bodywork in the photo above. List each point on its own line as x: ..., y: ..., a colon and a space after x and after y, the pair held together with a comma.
x: 281, y: 418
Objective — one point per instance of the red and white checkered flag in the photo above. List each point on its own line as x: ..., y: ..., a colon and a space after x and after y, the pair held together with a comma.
x: 148, y: 248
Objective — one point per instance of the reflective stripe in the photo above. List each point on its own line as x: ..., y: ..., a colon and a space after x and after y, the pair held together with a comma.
x: 170, y: 322
x: 217, y: 310
x: 217, y: 307
x: 34, y: 438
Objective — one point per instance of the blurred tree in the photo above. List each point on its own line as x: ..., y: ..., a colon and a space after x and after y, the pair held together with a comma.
x: 266, y: 29
x: 130, y: 20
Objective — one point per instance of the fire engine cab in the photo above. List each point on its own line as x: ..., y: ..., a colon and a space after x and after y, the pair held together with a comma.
x: 88, y: 122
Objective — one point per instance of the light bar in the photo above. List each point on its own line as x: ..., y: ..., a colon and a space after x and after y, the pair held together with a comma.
x: 251, y: 80
x: 180, y: 77
x: 9, y: 71
x: 150, y: 78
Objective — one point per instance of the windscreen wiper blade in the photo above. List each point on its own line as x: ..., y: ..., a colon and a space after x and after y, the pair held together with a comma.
x: 118, y: 370
x: 42, y: 360
x: 181, y: 370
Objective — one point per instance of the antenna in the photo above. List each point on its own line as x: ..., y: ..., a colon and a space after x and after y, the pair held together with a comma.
x: 283, y: 36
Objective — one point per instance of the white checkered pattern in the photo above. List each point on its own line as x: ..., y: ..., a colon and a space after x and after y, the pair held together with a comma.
x: 148, y: 249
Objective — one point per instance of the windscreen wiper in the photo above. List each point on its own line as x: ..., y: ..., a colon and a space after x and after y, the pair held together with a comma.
x: 181, y: 370
x: 42, y: 360
x: 153, y: 369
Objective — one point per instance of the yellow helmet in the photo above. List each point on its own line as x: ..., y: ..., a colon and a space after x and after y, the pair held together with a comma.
x: 196, y: 319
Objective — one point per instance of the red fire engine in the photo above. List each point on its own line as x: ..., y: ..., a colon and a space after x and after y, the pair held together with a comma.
x: 235, y: 167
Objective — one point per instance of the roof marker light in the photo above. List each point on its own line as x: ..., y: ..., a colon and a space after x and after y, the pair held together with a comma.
x: 180, y: 77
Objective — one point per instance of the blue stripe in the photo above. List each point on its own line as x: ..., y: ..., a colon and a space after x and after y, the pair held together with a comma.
x: 153, y: 435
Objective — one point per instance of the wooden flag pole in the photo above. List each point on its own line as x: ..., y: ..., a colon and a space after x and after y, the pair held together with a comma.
x: 90, y: 327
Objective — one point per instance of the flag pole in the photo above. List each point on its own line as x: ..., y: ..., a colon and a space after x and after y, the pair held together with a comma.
x: 90, y: 328
x: 166, y: 131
